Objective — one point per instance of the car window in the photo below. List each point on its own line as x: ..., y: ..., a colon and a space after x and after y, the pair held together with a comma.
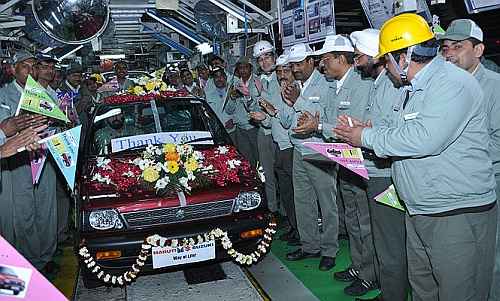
x: 7, y: 271
x: 129, y: 120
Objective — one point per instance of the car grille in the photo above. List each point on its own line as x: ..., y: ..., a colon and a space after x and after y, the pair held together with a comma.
x: 178, y: 214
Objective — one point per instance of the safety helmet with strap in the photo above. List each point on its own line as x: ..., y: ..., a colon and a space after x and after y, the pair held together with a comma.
x: 262, y: 47
x: 405, y: 31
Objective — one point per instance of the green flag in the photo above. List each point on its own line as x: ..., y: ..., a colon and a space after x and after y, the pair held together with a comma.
x: 36, y: 99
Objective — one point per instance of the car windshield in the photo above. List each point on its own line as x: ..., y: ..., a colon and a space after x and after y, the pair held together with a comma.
x: 7, y: 271
x: 129, y: 126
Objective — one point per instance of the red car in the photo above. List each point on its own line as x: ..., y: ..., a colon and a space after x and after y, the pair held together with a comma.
x: 116, y: 213
x: 10, y: 281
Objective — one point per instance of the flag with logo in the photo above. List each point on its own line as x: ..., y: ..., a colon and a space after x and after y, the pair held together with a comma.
x: 36, y: 99
x: 64, y: 149
x: 344, y: 154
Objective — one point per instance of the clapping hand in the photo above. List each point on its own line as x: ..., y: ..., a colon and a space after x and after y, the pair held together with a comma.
x: 307, y: 123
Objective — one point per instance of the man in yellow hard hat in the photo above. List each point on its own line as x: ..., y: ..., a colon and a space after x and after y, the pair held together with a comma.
x: 442, y: 169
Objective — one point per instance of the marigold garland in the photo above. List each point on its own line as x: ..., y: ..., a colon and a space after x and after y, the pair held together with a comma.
x: 159, y: 241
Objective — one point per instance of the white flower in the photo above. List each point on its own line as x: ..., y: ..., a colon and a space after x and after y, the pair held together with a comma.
x: 184, y: 182
x: 184, y: 149
x: 158, y: 151
x: 128, y: 174
x: 198, y: 156
x: 190, y: 176
x: 233, y: 163
x: 143, y: 164
x: 159, y: 166
x: 174, y: 243
x: 162, y: 183
x: 99, y: 178
x: 152, y: 149
x: 223, y: 150
x: 103, y: 162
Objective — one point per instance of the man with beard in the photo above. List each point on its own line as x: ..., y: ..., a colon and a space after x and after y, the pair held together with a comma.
x: 275, y: 148
x: 351, y: 97
x: 314, y: 181
x: 462, y: 44
x: 216, y: 96
x: 120, y: 125
x: 73, y: 79
x: 441, y: 168
x: 388, y: 224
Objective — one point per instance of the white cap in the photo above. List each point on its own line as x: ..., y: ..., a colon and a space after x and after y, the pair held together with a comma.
x: 366, y: 41
x: 299, y: 52
x: 282, y: 60
x: 334, y: 43
x: 262, y: 47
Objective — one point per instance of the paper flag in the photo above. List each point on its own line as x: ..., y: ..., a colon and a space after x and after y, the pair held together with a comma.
x: 348, y: 156
x: 36, y: 99
x: 67, y: 105
x: 390, y: 197
x: 37, y: 159
x: 64, y: 149
x: 31, y: 285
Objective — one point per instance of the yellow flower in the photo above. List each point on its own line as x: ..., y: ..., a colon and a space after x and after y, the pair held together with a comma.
x: 191, y: 164
x: 150, y: 86
x: 163, y: 87
x: 169, y: 148
x: 150, y: 174
x: 172, y: 167
x: 138, y: 90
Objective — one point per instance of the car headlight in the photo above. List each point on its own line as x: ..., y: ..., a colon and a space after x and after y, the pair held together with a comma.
x: 105, y: 219
x: 247, y: 201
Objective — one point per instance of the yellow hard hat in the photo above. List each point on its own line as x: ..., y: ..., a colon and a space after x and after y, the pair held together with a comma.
x: 403, y: 31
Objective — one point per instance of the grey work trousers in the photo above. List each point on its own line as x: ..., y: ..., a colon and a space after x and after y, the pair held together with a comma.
x: 389, y: 239
x: 246, y: 142
x: 313, y: 185
x: 450, y: 258
x: 283, y: 166
x: 495, y: 284
x: 267, y: 151
x: 35, y: 219
x: 357, y: 221
x: 63, y: 206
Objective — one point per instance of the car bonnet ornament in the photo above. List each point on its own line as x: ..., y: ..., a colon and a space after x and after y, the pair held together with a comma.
x: 72, y: 21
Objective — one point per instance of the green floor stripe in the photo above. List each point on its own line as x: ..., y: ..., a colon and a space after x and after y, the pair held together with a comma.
x: 321, y: 284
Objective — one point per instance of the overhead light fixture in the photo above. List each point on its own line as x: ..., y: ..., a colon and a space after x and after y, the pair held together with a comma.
x: 205, y: 48
x: 229, y: 10
x: 111, y: 56
x: 157, y: 18
x: 70, y: 53
x: 47, y: 50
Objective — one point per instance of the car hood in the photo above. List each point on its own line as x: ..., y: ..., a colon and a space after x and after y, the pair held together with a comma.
x: 132, y: 193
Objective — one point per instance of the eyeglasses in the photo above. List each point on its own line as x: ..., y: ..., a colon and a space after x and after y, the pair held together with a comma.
x: 358, y: 56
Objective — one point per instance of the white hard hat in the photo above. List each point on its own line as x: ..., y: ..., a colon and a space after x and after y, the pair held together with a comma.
x: 366, y: 41
x: 262, y: 47
x: 299, y: 52
x: 282, y: 60
x: 334, y: 43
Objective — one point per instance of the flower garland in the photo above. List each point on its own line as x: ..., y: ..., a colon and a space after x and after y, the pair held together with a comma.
x: 131, y: 98
x: 159, y: 241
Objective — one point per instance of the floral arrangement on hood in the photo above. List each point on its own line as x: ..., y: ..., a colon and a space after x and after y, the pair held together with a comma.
x: 171, y: 167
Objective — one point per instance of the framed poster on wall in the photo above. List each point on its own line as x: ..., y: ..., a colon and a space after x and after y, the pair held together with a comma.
x: 477, y: 6
x: 305, y: 21
x: 379, y: 11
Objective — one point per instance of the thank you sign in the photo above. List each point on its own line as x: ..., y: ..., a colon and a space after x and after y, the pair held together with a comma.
x: 187, y: 137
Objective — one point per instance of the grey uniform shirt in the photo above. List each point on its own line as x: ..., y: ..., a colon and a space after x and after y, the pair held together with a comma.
x: 383, y: 107
x: 315, y: 97
x: 216, y: 101
x: 440, y: 142
x: 490, y: 83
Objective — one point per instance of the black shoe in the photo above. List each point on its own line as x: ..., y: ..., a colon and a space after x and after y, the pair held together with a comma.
x: 378, y: 298
x: 299, y: 255
x: 348, y: 275
x: 294, y: 241
x: 326, y: 263
x: 360, y: 287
